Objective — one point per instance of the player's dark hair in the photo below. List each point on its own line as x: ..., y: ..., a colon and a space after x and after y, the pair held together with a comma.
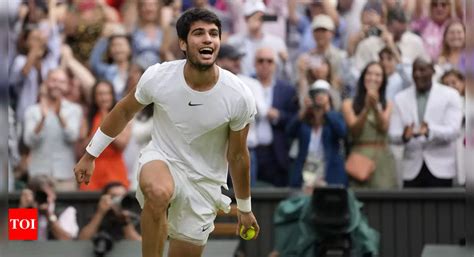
x: 183, y: 25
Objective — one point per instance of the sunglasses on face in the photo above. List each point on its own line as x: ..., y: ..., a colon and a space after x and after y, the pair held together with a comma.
x: 262, y: 60
x: 439, y: 4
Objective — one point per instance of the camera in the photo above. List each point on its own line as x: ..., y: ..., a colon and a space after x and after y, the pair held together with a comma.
x: 115, y: 217
x: 103, y: 243
x: 117, y: 201
x: 41, y: 197
x: 374, y: 31
x: 123, y: 202
x: 119, y: 216
x: 268, y: 17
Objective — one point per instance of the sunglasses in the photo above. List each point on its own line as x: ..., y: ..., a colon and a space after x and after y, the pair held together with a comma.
x: 262, y: 60
x: 439, y: 4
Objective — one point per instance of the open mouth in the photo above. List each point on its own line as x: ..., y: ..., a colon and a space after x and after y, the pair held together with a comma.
x: 206, y: 52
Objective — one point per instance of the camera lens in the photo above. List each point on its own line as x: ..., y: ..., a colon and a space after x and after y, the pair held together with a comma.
x: 374, y: 31
x: 103, y: 243
x: 117, y: 200
x: 41, y: 197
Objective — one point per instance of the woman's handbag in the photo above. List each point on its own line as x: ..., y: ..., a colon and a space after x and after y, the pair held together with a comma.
x: 359, y: 166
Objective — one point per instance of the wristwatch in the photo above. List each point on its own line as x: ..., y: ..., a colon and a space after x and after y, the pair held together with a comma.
x: 52, y: 218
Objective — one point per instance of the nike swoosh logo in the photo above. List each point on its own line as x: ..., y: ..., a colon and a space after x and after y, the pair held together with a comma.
x: 191, y: 104
x: 204, y: 228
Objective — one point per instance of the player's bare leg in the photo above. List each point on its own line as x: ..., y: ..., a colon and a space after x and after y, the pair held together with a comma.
x: 180, y: 248
x: 157, y: 186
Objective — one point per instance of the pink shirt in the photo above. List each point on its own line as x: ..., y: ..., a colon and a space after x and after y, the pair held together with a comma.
x: 431, y: 33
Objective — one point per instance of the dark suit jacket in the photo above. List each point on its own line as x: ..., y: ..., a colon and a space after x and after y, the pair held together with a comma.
x: 285, y: 100
x: 334, y: 131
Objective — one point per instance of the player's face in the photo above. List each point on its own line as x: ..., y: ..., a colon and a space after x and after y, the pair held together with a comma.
x: 203, y: 45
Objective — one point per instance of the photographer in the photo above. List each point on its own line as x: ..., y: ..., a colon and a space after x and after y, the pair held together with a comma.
x: 394, y: 35
x: 320, y: 131
x: 111, y: 216
x: 372, y: 18
x: 54, y: 221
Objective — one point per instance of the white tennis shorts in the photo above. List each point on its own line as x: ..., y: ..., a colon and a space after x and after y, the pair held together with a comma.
x: 194, y: 203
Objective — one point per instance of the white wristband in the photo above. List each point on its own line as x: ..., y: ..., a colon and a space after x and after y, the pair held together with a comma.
x: 244, y: 205
x: 98, y: 143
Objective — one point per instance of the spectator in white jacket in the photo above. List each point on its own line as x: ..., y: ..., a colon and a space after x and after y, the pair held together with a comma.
x: 427, y: 119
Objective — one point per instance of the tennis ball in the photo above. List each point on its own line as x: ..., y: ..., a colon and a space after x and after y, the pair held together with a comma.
x: 249, y: 235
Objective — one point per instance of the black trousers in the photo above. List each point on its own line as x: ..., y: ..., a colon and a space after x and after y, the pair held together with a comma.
x: 426, y: 179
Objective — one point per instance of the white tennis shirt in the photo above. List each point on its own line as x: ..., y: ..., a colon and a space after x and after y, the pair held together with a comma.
x: 191, y: 128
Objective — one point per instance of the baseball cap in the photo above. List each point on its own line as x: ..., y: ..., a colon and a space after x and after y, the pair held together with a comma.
x: 323, y: 21
x: 253, y: 6
x: 320, y: 85
x: 229, y: 51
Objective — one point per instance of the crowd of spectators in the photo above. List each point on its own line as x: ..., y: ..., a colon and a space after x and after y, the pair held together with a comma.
x: 378, y: 80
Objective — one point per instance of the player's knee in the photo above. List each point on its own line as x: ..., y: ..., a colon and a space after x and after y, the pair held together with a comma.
x: 157, y: 195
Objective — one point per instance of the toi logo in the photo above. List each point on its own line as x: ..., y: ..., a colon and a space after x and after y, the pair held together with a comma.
x: 22, y: 224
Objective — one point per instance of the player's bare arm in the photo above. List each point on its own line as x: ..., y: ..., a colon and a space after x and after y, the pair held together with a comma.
x: 112, y: 125
x: 239, y: 162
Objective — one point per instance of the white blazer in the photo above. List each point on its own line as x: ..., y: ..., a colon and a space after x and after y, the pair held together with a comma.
x: 443, y: 115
